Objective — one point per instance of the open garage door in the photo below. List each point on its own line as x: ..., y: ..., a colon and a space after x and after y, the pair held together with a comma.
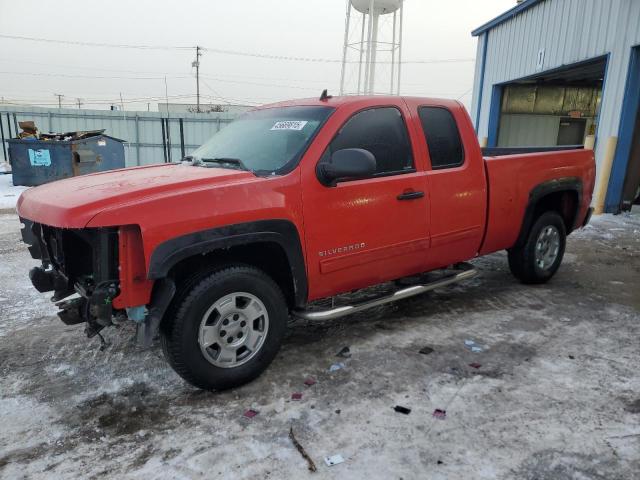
x: 558, y: 107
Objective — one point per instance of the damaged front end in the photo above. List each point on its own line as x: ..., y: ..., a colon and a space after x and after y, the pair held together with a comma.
x: 82, y: 261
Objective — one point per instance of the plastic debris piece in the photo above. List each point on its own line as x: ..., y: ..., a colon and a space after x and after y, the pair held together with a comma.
x: 425, y: 350
x: 440, y: 414
x: 333, y: 460
x: 401, y: 409
x: 475, y: 365
x: 336, y: 366
x: 338, y: 411
x: 303, y: 452
x: 296, y: 396
x: 473, y: 346
x: 250, y: 413
x: 310, y: 381
x: 344, y: 352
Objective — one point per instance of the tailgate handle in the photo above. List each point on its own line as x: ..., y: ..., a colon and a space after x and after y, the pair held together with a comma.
x: 410, y: 195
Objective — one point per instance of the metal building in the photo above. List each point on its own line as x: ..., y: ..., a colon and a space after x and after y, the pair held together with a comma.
x: 553, y: 72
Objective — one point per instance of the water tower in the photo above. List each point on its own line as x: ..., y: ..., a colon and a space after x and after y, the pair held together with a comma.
x: 372, y: 54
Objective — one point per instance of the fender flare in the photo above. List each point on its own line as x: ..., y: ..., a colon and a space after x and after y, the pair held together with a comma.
x: 282, y: 232
x: 572, y: 184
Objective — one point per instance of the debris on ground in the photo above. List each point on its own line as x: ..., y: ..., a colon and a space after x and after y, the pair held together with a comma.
x: 296, y: 396
x: 425, y: 350
x: 312, y: 466
x: 440, y: 414
x: 336, y: 366
x: 310, y: 381
x: 250, y: 413
x: 338, y: 411
x: 571, y: 357
x: 473, y: 346
x: 475, y: 365
x: 333, y: 460
x: 279, y: 405
x: 344, y: 352
x: 401, y: 409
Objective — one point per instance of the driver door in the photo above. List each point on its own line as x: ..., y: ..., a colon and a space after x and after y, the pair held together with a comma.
x: 371, y: 230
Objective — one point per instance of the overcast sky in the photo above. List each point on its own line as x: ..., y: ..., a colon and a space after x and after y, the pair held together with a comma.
x: 31, y: 72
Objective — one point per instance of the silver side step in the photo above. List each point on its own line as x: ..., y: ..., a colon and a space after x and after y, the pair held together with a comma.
x: 467, y: 273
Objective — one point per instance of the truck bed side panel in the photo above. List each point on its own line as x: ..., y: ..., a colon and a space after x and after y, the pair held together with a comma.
x: 511, y: 180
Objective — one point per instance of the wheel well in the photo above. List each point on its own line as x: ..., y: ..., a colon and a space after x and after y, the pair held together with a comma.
x: 269, y: 257
x: 564, y: 202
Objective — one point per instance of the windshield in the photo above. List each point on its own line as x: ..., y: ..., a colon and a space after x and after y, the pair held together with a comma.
x: 264, y: 141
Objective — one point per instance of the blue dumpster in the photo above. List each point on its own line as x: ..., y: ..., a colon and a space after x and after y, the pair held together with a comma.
x: 37, y: 161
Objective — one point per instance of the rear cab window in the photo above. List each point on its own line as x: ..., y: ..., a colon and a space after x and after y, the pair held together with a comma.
x: 443, y: 137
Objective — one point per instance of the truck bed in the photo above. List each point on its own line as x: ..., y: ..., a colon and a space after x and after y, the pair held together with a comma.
x: 511, y: 178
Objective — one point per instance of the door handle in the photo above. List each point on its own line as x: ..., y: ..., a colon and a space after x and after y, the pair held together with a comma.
x: 410, y: 195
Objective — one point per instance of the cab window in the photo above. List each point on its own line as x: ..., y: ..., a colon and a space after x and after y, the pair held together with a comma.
x: 381, y: 131
x: 443, y: 138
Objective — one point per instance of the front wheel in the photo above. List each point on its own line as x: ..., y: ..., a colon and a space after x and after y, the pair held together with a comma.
x: 539, y: 258
x: 227, y: 329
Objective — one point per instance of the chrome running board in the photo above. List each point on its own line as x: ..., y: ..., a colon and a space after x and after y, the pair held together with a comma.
x: 468, y: 272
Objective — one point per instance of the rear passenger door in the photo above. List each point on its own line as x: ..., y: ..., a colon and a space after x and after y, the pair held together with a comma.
x: 456, y: 180
x: 366, y: 231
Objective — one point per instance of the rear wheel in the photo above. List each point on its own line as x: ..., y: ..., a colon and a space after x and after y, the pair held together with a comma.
x: 227, y: 329
x: 539, y: 258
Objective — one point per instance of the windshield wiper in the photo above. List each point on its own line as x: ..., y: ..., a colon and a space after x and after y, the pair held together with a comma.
x: 224, y: 161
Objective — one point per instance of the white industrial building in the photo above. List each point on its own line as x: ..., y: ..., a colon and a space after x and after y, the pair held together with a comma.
x: 554, y: 72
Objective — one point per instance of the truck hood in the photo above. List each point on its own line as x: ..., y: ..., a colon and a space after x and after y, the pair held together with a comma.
x: 73, y: 202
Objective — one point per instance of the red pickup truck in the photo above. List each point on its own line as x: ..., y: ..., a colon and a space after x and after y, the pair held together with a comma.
x: 291, y: 203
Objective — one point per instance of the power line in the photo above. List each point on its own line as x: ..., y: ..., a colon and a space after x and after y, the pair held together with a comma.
x: 223, y: 51
x: 226, y: 99
x: 160, y: 74
x: 259, y: 84
x: 95, y: 44
x: 65, y: 75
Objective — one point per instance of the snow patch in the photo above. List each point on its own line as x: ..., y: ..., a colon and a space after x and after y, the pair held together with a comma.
x: 9, y: 193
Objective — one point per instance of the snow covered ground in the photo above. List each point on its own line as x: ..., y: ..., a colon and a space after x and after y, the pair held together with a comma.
x: 8, y: 192
x: 556, y: 396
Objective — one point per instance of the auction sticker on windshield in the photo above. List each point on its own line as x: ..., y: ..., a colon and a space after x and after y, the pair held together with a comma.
x: 290, y: 125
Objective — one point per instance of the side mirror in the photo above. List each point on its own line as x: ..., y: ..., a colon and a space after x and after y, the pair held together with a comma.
x: 347, y: 164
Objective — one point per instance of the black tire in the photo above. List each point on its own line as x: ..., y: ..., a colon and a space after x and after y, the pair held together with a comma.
x: 522, y: 261
x: 179, y: 335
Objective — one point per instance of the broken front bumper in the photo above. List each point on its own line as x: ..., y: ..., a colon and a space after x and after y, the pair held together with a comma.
x: 76, y: 261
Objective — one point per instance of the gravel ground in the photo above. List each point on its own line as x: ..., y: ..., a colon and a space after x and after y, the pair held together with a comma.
x: 557, y: 395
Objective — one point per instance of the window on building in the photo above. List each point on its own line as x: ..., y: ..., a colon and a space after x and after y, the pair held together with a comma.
x: 443, y: 137
x: 382, y: 132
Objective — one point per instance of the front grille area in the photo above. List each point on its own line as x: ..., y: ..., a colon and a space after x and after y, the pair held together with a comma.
x: 85, y: 257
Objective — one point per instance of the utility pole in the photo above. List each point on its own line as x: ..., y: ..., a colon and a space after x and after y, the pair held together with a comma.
x: 166, y: 95
x: 59, y: 99
x: 79, y: 102
x: 197, y: 65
